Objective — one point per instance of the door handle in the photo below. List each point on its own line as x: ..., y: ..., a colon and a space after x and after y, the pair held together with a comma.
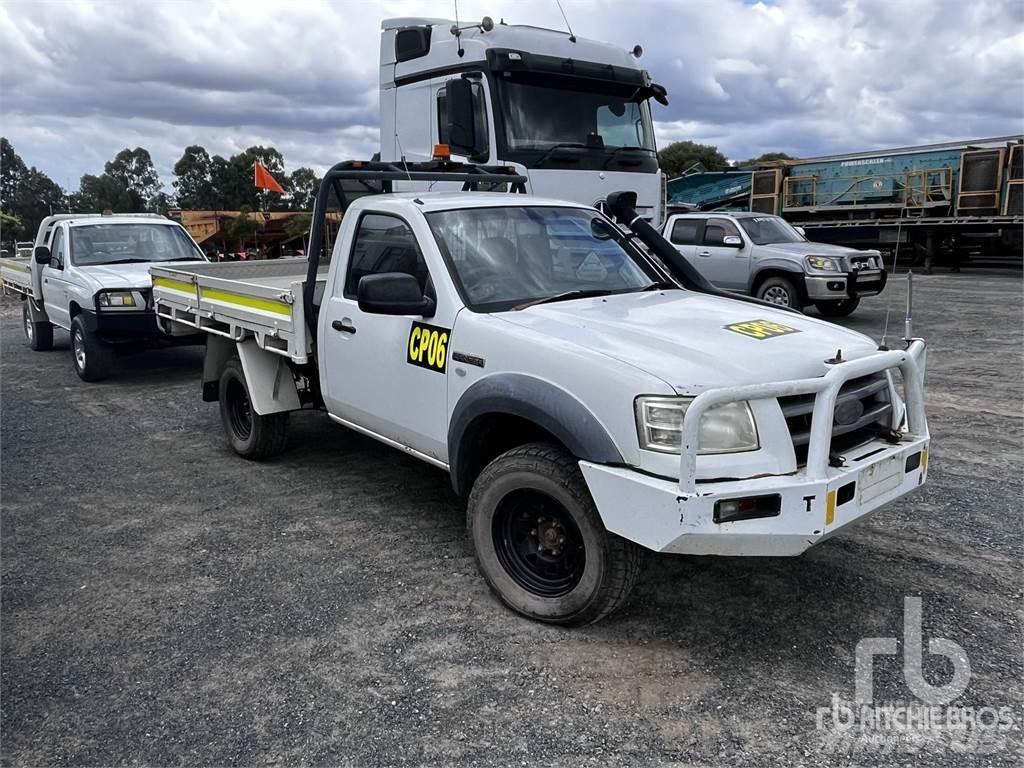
x: 704, y: 253
x: 338, y: 325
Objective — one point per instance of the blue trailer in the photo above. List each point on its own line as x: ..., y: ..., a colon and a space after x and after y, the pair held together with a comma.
x: 954, y: 197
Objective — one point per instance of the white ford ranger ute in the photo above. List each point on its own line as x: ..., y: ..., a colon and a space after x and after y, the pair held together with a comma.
x: 89, y: 274
x: 588, y: 392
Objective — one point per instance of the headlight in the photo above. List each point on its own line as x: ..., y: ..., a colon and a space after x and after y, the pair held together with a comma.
x: 727, y: 428
x: 116, y: 299
x: 824, y: 264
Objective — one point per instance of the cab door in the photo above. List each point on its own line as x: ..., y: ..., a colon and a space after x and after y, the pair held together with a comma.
x: 387, y: 375
x: 53, y: 279
x: 723, y: 255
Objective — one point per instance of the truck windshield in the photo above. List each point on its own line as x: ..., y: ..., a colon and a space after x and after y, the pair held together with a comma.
x: 764, y: 230
x: 96, y: 244
x: 502, y: 258
x: 540, y: 118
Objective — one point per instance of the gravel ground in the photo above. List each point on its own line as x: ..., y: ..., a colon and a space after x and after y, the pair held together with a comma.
x: 165, y: 602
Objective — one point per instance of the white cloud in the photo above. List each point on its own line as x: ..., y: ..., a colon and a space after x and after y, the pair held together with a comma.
x: 81, y: 80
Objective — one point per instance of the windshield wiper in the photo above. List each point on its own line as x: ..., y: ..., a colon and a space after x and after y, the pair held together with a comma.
x: 623, y: 149
x: 565, y: 296
x: 562, y: 145
x: 128, y: 261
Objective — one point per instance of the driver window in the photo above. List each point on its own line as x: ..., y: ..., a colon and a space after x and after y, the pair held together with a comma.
x: 384, y: 243
x: 57, y: 249
x: 717, y: 230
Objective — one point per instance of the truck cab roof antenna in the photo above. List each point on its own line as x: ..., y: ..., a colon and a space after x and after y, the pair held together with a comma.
x: 572, y: 37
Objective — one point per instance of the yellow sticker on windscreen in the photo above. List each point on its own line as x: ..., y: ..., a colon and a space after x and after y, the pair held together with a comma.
x: 761, y: 329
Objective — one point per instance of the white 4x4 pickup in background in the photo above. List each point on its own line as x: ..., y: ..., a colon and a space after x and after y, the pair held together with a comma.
x: 764, y: 256
x: 590, y: 398
x: 89, y: 274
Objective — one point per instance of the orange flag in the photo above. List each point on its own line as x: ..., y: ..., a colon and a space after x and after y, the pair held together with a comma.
x: 263, y: 180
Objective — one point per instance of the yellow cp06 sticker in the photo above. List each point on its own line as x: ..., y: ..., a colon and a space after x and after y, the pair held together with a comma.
x: 761, y: 329
x: 428, y: 347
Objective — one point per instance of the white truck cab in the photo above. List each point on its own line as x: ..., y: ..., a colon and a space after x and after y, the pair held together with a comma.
x: 590, y: 398
x: 89, y: 274
x: 572, y: 115
x: 762, y: 255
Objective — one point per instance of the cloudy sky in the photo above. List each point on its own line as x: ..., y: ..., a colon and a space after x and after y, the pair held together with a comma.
x: 81, y: 80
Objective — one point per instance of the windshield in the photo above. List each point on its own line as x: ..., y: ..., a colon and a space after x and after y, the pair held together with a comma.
x: 506, y: 257
x: 770, y: 229
x: 541, y: 116
x: 131, y: 243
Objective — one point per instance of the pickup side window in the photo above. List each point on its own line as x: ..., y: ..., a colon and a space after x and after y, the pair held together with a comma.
x: 57, y: 259
x: 384, y: 243
x: 717, y: 230
x: 684, y: 231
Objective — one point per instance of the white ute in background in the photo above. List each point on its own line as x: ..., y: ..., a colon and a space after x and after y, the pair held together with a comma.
x: 89, y: 274
x: 590, y: 398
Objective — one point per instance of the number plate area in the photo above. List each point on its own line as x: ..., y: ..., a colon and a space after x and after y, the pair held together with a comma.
x: 880, y: 477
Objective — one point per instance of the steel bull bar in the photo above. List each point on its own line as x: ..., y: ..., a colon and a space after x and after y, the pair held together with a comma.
x: 910, y: 361
x: 803, y: 507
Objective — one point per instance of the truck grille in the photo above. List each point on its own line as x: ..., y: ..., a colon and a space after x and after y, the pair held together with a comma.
x: 863, y: 411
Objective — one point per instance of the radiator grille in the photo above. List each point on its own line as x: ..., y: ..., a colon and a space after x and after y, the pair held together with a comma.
x: 863, y: 411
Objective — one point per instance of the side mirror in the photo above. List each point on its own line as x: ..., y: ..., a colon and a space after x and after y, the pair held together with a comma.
x: 801, y: 230
x: 462, y: 138
x: 393, y: 293
x: 42, y: 254
x: 732, y: 241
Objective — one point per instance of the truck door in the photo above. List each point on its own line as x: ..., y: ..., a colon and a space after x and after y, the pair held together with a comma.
x: 723, y: 255
x: 54, y: 281
x: 387, y: 374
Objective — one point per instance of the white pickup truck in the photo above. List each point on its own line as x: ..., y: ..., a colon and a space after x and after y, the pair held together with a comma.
x: 591, y: 397
x: 89, y: 274
x: 764, y: 256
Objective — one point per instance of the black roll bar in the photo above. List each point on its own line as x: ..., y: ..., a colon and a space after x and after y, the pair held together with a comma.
x: 377, y: 177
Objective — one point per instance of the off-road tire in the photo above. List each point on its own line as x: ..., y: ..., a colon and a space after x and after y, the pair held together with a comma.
x: 840, y: 308
x: 92, y: 358
x: 39, y: 335
x: 548, y: 473
x: 251, y: 435
x: 774, y: 286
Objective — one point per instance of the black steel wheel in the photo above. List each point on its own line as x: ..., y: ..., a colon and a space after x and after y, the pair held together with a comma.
x: 539, y: 540
x: 251, y: 434
x: 538, y: 543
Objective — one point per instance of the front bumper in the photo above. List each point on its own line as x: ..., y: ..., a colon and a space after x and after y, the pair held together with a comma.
x: 121, y: 323
x: 848, y: 285
x: 815, y: 502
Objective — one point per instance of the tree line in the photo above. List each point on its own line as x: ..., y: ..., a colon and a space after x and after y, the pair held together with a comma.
x: 130, y: 183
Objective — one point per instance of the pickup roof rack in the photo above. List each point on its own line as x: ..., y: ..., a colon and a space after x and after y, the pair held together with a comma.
x: 357, y: 178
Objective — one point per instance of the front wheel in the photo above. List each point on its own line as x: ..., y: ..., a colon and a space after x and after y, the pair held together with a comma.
x: 839, y: 308
x: 93, y: 359
x: 251, y: 435
x: 780, y: 291
x: 539, y: 540
x: 39, y: 335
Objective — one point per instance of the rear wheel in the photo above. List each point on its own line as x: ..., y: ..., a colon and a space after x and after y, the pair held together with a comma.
x: 840, y: 308
x: 93, y: 359
x: 781, y: 291
x: 540, y: 542
x: 39, y: 335
x: 250, y: 434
